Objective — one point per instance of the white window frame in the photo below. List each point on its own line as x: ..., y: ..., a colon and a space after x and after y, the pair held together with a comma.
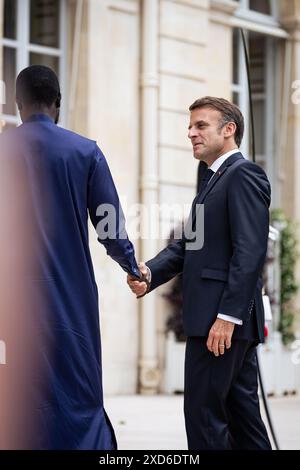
x: 23, y: 49
x: 244, y: 13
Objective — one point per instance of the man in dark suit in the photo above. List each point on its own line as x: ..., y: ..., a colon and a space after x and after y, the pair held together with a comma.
x: 223, y: 313
x: 61, y: 177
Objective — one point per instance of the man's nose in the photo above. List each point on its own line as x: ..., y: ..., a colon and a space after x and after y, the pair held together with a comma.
x: 191, y: 133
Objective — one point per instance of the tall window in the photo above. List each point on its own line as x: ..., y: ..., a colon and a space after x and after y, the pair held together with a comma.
x: 262, y: 56
x: 263, y: 52
x: 33, y: 33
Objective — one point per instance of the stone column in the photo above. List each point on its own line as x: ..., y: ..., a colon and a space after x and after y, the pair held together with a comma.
x: 148, y: 362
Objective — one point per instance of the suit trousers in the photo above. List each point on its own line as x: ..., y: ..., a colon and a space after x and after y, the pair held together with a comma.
x: 221, y: 403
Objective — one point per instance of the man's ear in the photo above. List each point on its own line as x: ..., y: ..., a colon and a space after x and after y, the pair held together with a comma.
x: 229, y: 129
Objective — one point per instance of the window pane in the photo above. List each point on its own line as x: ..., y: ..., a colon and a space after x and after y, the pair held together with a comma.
x: 257, y: 52
x: 9, y: 77
x: 44, y: 22
x: 10, y: 19
x: 262, y: 6
x: 259, y: 126
x: 42, y: 59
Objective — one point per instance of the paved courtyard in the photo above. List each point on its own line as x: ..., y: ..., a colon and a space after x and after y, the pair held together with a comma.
x: 156, y: 422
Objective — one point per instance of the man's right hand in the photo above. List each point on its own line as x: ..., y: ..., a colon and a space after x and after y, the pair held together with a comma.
x: 139, y: 288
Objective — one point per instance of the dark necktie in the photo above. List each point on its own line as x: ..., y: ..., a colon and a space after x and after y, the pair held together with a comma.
x: 204, y: 182
x: 202, y: 167
x: 207, y: 174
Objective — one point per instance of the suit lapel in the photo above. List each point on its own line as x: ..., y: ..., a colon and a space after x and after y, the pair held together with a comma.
x: 230, y: 160
x: 219, y: 173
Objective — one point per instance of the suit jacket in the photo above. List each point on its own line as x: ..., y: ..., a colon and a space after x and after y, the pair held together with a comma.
x: 64, y: 176
x: 224, y: 276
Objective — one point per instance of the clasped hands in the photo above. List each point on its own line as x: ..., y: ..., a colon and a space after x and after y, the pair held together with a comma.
x: 140, y: 287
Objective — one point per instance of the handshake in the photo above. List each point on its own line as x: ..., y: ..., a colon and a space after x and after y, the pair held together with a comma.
x: 140, y: 287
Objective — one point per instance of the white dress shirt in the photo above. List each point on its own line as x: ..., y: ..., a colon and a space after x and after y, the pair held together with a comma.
x: 214, y: 167
x: 220, y: 160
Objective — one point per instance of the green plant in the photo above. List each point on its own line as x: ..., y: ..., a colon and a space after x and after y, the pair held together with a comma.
x: 288, y: 258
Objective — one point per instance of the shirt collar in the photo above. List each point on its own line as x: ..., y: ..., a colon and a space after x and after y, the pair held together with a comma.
x: 219, y: 161
x: 39, y: 117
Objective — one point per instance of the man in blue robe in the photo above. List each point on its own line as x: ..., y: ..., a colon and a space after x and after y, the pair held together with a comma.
x: 63, y: 177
